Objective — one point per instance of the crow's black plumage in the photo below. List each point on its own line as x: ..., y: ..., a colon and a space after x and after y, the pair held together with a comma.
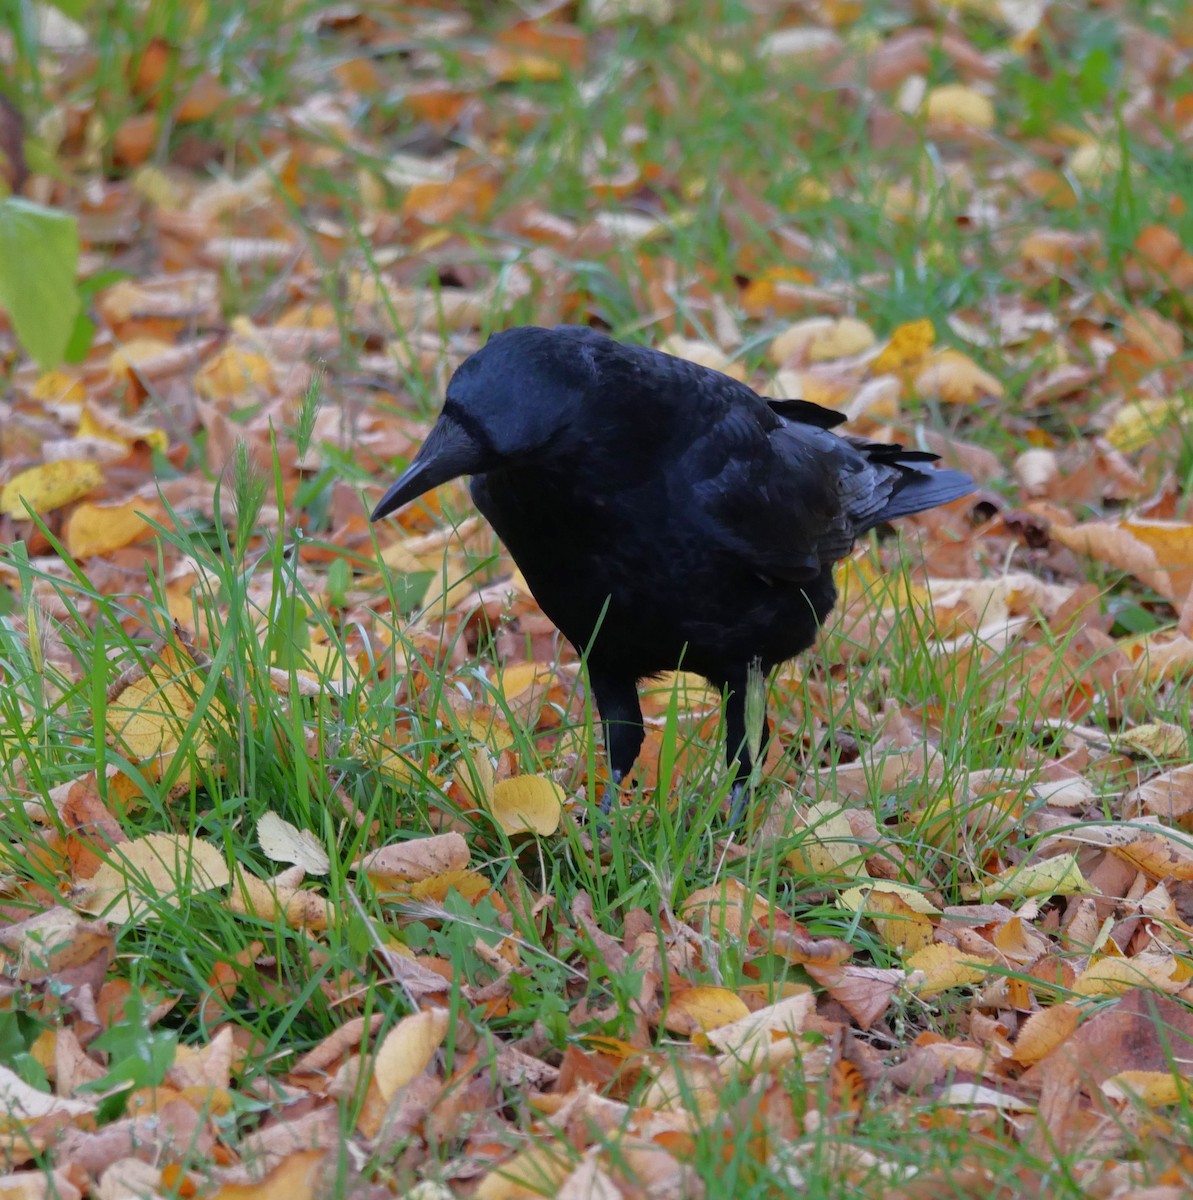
x: 662, y: 513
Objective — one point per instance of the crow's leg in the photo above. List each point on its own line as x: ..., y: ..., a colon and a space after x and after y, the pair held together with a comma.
x: 737, y: 742
x: 621, y: 714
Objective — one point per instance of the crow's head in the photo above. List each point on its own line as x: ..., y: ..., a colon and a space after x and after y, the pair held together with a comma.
x: 509, y: 403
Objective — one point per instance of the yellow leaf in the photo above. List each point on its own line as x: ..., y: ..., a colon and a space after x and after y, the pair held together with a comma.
x: 724, y: 908
x: 1059, y: 876
x: 49, y: 486
x: 1092, y: 162
x: 97, y: 422
x: 944, y: 967
x: 469, y: 884
x: 407, y: 1049
x: 101, y: 528
x: 704, y: 1008
x: 956, y: 104
x: 704, y: 353
x: 909, y: 343
x: 768, y: 1036
x: 132, y: 354
x: 1140, y: 422
x: 1043, y: 1031
x: 297, y: 1177
x: 1172, y: 541
x: 527, y: 804
x: 828, y: 850
x: 234, y: 373
x: 151, y: 714
x: 530, y: 1175
x: 58, y: 387
x: 158, y: 869
x: 899, y: 913
x: 1113, y: 975
x: 954, y: 378
x: 820, y: 339
x: 1157, y: 739
x: 1153, y: 1088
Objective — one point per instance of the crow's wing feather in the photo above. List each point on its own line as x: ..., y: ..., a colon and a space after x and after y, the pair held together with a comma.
x: 788, y: 501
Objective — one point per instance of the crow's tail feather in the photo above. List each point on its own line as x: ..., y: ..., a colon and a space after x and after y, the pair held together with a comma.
x: 917, y: 484
x: 921, y: 487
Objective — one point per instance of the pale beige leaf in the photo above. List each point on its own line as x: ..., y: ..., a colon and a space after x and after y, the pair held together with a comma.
x: 285, y: 843
x: 419, y: 858
x: 155, y: 870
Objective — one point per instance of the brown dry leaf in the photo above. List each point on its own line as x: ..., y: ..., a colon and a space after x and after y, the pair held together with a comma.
x: 864, y: 992
x: 1168, y: 795
x: 527, y: 804
x: 155, y: 870
x: 418, y: 859
x: 49, y: 486
x: 1159, y: 338
x: 57, y: 943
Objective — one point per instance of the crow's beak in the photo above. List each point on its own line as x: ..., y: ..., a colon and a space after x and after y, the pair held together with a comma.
x: 448, y: 452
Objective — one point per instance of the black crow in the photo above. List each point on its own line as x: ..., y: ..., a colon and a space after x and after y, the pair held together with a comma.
x: 662, y: 513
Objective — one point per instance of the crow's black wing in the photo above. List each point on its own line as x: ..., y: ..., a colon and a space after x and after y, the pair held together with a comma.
x: 791, y: 501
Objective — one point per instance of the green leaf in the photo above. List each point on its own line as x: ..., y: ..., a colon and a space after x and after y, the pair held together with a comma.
x: 39, y: 254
